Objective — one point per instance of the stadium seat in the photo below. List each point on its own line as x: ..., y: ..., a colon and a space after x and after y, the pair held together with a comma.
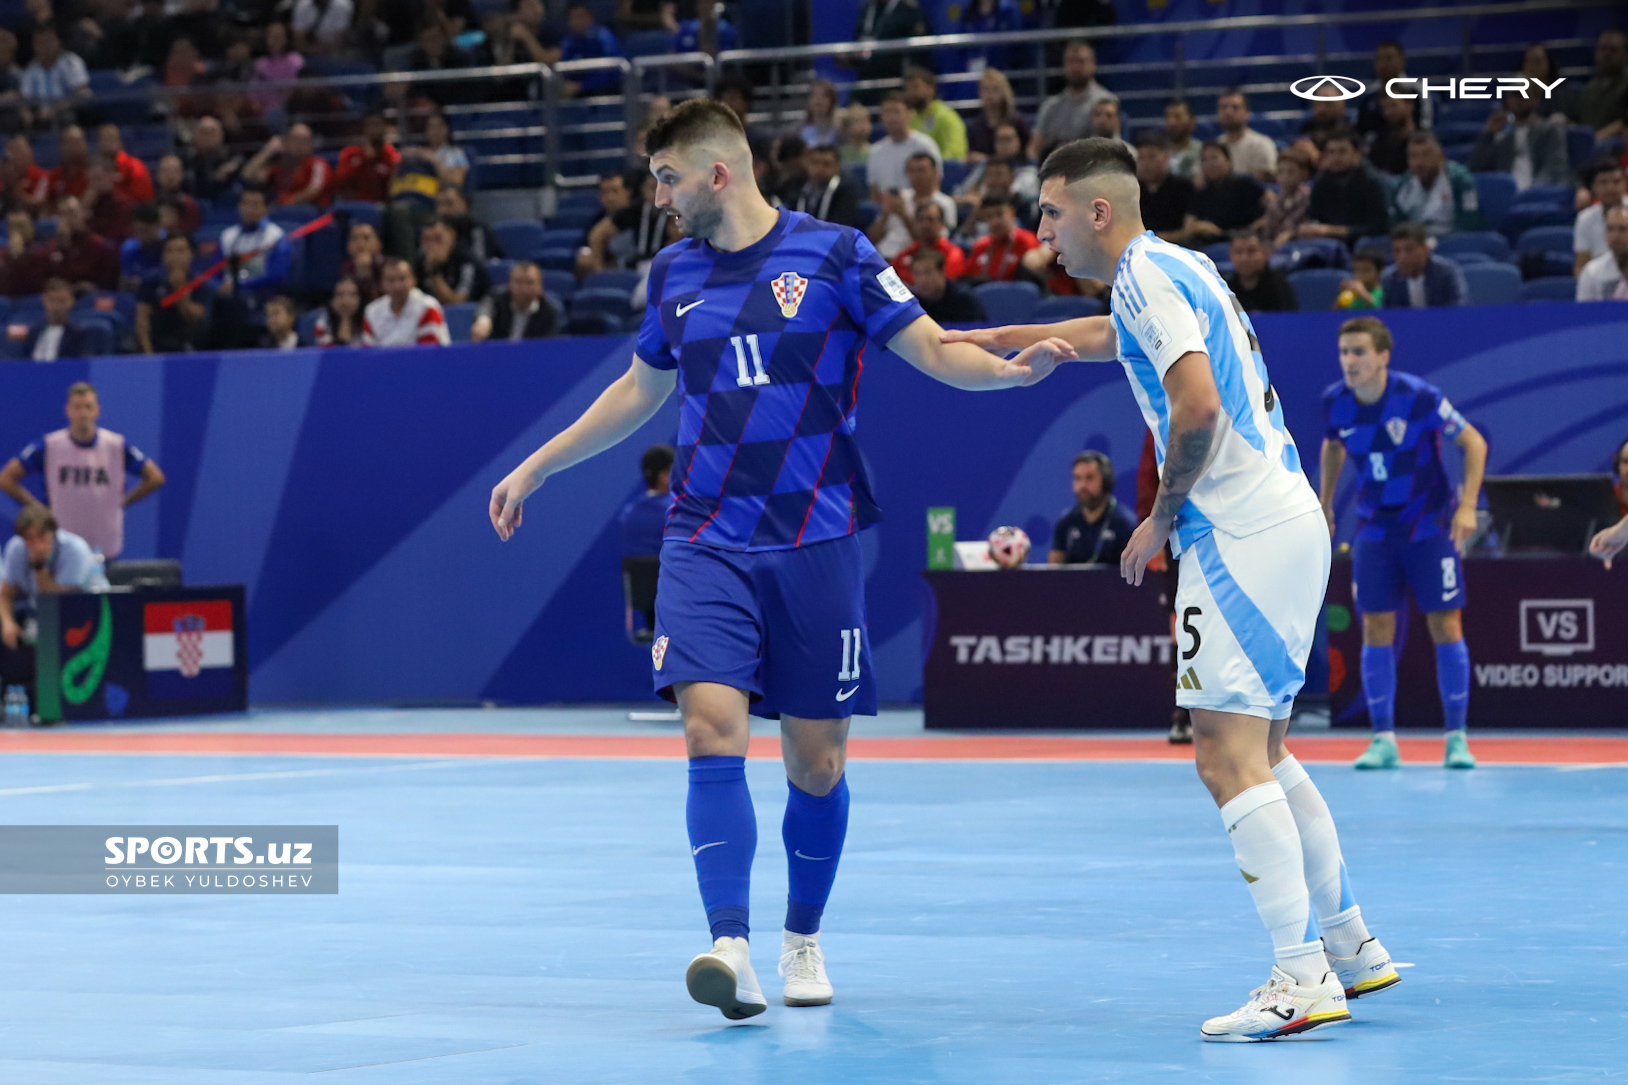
x: 1304, y: 254
x: 1218, y: 251
x: 1008, y: 303
x: 574, y: 218
x: 1065, y: 308
x: 347, y: 212
x: 557, y: 239
x: 647, y: 43
x: 460, y: 319
x: 1317, y: 287
x: 1465, y: 259
x: 1495, y: 193
x: 559, y: 284
x: 293, y: 215
x: 1493, y: 245
x: 1546, y: 239
x: 1493, y: 284
x: 101, y: 339
x: 616, y: 302
x: 1380, y: 242
x: 555, y: 259
x: 522, y: 239
x: 1550, y: 288
x: 593, y: 324
x: 306, y: 326
x: 324, y: 253
x: 1579, y: 145
x: 117, y: 306
x: 623, y: 279
x: 954, y: 174
x: 497, y: 269
x: 579, y: 198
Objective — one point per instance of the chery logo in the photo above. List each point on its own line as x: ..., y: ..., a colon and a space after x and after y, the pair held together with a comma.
x: 1344, y: 87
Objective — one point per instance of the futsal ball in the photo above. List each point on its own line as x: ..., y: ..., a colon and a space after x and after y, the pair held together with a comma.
x: 1008, y: 546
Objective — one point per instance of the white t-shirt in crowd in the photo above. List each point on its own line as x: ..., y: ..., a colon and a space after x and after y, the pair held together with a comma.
x: 420, y: 322
x: 1588, y: 233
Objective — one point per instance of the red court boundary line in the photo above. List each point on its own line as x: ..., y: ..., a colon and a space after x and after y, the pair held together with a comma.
x: 1490, y: 749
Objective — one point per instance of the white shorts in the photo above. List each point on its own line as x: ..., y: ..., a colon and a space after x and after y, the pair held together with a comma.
x: 1246, y: 612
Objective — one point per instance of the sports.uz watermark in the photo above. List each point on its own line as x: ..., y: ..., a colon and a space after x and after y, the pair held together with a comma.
x: 228, y: 859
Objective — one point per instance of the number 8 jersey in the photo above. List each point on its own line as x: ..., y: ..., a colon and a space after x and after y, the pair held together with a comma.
x: 769, y: 343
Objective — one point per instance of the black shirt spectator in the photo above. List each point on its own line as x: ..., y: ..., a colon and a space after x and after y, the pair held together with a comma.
x: 1346, y: 201
x: 539, y: 323
x: 1166, y: 199
x: 1095, y: 528
x: 942, y: 298
x: 826, y: 194
x: 1271, y: 292
x: 470, y: 234
x: 445, y: 271
x: 1231, y: 203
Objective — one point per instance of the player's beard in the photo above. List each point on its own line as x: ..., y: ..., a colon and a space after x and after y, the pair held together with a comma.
x: 702, y: 220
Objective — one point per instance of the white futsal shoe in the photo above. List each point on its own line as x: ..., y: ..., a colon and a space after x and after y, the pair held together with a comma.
x: 1280, y: 1009
x: 724, y: 978
x: 1368, y: 972
x: 803, y: 966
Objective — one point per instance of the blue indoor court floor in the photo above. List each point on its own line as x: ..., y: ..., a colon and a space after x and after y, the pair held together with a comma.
x: 527, y: 921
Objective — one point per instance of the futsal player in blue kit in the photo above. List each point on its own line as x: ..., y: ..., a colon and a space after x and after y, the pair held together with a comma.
x: 1240, y: 515
x: 761, y: 319
x: 1410, y: 532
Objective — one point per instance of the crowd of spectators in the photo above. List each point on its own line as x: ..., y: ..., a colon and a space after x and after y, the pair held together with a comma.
x: 106, y: 243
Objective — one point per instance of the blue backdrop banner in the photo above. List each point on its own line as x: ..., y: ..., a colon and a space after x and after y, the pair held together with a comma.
x: 347, y: 489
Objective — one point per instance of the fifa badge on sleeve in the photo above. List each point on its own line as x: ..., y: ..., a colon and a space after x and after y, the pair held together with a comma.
x: 788, y: 291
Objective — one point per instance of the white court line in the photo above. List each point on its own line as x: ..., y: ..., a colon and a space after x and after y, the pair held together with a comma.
x: 223, y: 777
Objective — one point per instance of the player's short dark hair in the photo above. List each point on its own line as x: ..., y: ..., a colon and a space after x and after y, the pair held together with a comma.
x: 1081, y: 158
x: 656, y: 460
x: 1104, y: 465
x: 35, y: 518
x: 1373, y: 327
x: 1410, y: 231
x: 1153, y: 138
x: 1372, y: 256
x: 693, y: 121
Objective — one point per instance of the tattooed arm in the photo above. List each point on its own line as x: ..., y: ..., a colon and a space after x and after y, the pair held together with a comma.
x: 1195, y: 405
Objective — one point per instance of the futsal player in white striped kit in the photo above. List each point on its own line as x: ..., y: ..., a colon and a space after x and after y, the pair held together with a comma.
x: 1254, y: 549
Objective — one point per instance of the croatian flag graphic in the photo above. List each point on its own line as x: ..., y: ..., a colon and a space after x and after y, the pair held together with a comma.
x: 188, y: 649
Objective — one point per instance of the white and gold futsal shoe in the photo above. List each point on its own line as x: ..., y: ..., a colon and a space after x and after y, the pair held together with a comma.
x: 724, y: 978
x: 1280, y: 1009
x: 1368, y: 972
x: 803, y: 966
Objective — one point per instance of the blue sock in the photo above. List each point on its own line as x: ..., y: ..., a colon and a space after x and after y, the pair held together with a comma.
x: 1379, y: 685
x: 1453, y: 680
x: 813, y: 831
x: 723, y: 839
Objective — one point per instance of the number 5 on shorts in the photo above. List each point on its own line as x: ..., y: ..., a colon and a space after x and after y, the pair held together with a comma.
x: 850, y: 656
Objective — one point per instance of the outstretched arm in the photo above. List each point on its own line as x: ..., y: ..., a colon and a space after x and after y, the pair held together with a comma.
x: 960, y: 364
x: 1195, y: 405
x: 1092, y: 337
x: 1607, y: 543
x: 630, y: 402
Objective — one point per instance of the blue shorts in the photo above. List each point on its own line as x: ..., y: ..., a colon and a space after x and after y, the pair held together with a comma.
x: 1431, y: 568
x: 787, y: 627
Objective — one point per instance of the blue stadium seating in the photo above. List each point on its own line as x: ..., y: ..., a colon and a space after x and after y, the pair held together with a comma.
x: 559, y: 284
x: 522, y: 239
x: 555, y: 259
x: 558, y: 239
x: 1493, y: 245
x: 616, y: 302
x: 1009, y: 303
x: 351, y: 211
x: 623, y: 279
x: 291, y: 215
x: 1546, y: 239
x: 1495, y: 193
x: 101, y: 339
x: 1065, y: 308
x: 1493, y: 284
x: 117, y: 306
x: 1465, y: 259
x: 593, y: 324
x: 1580, y: 145
x: 1380, y: 242
x: 460, y: 319
x: 306, y: 326
x: 324, y: 253
x: 1550, y: 288
x: 954, y: 174
x: 1317, y: 287
x: 1218, y: 251
x: 574, y: 218
x: 1314, y: 252
x: 498, y: 268
x: 645, y: 43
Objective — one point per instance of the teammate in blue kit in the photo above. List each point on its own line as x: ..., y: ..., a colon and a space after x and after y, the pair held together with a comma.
x: 761, y: 319
x: 1409, y: 535
x: 1239, y: 513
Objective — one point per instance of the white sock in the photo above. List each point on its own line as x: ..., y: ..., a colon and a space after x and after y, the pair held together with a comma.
x: 1326, y: 880
x: 1262, y: 830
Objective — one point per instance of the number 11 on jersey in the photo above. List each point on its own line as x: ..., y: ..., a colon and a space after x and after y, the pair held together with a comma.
x: 745, y: 379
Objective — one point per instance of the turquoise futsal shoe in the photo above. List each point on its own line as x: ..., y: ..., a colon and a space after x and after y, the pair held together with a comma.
x: 1383, y: 754
x: 1458, y: 752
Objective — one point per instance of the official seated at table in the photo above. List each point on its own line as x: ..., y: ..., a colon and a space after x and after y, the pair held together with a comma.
x: 1096, y: 528
x: 39, y: 560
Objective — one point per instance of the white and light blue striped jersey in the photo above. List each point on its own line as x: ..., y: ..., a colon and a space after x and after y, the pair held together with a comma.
x: 1169, y: 301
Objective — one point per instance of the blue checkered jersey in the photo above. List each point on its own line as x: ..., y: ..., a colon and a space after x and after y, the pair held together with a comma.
x: 1396, y: 443
x: 769, y: 343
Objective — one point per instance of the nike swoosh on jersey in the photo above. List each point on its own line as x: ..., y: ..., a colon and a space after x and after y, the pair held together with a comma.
x: 841, y: 696
x: 682, y: 309
x: 815, y: 858
x: 1348, y: 431
x: 1450, y: 594
x: 704, y: 847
